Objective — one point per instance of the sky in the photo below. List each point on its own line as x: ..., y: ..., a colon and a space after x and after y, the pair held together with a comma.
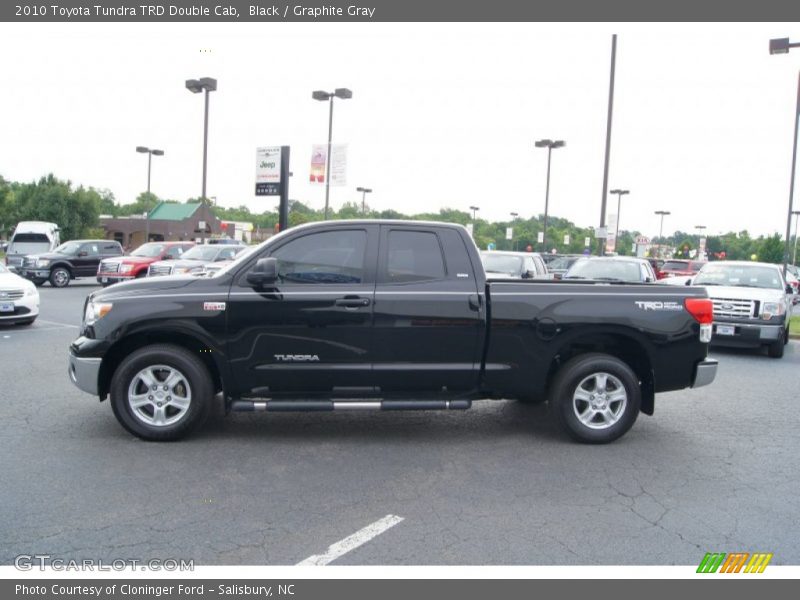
x: 442, y: 115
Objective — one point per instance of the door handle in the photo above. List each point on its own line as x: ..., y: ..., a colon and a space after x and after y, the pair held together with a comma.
x: 352, y: 302
x: 474, y: 302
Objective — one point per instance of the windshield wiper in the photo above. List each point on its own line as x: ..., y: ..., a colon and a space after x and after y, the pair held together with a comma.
x: 574, y: 277
x: 608, y: 279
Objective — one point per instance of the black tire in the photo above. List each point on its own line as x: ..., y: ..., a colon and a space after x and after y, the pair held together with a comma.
x: 141, y: 274
x: 59, y: 277
x: 38, y: 282
x: 776, y: 348
x: 197, y: 385
x: 575, y: 379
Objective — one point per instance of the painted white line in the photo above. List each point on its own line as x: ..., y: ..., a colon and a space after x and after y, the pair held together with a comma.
x: 359, y: 538
x: 57, y: 323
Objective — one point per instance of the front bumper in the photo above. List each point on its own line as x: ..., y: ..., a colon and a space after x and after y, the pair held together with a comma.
x: 113, y: 278
x: 746, y: 334
x: 35, y: 273
x: 25, y: 308
x: 84, y: 373
x: 705, y: 372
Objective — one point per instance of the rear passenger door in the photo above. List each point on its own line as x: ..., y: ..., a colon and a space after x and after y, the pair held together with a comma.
x: 428, y: 315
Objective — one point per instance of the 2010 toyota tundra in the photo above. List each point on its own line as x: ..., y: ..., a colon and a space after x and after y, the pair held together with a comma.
x: 386, y: 315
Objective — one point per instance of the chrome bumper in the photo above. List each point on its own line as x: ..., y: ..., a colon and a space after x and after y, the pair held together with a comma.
x: 705, y: 372
x: 83, y: 372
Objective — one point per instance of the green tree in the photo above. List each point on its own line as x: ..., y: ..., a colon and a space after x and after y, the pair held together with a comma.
x: 771, y: 249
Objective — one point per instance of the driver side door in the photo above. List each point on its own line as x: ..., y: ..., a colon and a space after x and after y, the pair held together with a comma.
x: 311, y: 330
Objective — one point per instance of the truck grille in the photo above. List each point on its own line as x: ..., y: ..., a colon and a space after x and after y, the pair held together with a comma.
x: 28, y: 262
x: 736, y: 309
x: 109, y: 267
x: 14, y: 261
x: 160, y: 270
x: 11, y: 294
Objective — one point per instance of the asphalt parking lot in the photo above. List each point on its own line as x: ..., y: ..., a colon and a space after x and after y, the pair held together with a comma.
x: 714, y: 470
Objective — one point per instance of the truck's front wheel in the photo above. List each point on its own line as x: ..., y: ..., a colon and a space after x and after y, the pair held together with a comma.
x: 161, y: 392
x: 595, y: 398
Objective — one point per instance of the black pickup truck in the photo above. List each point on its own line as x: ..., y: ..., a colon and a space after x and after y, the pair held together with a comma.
x: 387, y: 315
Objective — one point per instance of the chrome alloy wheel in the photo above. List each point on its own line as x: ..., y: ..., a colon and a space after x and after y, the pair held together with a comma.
x: 599, y: 400
x: 159, y: 395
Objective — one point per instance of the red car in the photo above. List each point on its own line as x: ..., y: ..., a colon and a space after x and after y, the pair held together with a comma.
x: 680, y: 268
x: 135, y: 264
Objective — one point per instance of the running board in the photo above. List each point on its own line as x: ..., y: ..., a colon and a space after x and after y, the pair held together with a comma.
x: 328, y: 405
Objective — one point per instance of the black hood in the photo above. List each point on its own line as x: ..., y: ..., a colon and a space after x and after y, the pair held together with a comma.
x: 144, y: 286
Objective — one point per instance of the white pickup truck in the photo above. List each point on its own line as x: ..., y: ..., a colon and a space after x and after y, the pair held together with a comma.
x: 752, y: 304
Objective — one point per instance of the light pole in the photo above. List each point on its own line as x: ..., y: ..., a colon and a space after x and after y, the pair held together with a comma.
x: 796, y: 214
x: 150, y: 152
x: 663, y: 213
x: 207, y: 85
x: 513, y: 241
x: 782, y: 46
x: 549, y: 144
x: 344, y: 94
x: 474, y: 209
x: 364, y: 191
x: 620, y: 193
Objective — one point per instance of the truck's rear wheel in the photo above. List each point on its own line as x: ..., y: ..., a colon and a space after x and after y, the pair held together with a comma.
x: 595, y: 398
x: 161, y: 392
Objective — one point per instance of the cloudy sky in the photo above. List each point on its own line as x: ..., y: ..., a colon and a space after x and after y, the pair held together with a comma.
x: 442, y: 115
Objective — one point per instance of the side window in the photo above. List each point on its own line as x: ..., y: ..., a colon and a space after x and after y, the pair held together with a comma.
x: 325, y: 257
x: 90, y: 249
x: 111, y: 249
x: 414, y: 256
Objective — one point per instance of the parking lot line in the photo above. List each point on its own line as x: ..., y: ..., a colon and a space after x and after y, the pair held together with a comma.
x: 351, y: 542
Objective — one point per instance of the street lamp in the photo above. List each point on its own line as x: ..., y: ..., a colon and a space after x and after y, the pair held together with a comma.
x: 663, y: 213
x: 782, y: 46
x: 474, y: 209
x: 207, y: 85
x: 550, y: 145
x: 343, y: 94
x: 364, y: 191
x: 620, y: 193
x: 150, y: 152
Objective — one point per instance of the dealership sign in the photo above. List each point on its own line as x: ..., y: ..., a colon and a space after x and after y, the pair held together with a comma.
x: 268, y: 171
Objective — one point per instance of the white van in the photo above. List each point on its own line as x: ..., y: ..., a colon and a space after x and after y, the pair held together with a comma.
x: 31, y: 237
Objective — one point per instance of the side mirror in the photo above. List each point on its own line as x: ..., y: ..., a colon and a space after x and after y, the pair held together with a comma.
x: 265, y: 271
x: 789, y: 288
x: 688, y: 282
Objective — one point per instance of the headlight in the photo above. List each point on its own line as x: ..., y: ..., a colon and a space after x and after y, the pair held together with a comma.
x: 42, y: 262
x: 31, y: 291
x: 772, y: 309
x: 123, y: 268
x: 96, y: 311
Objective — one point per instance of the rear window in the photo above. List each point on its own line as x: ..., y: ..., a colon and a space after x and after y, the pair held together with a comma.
x: 676, y: 265
x: 30, y: 238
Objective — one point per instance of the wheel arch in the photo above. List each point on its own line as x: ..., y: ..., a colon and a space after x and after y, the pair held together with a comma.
x: 623, y: 345
x: 118, y: 351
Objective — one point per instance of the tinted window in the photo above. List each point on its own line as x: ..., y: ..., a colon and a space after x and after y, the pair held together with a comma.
x: 414, y: 256
x: 112, y: 249
x: 90, y: 249
x: 326, y: 257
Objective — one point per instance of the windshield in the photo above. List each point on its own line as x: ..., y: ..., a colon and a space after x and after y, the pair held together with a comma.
x: 562, y: 263
x: 68, y: 248
x: 201, y: 253
x: 609, y: 270
x: 148, y: 250
x: 754, y: 276
x: 500, y: 263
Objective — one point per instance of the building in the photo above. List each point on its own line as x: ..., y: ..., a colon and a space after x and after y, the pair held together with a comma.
x: 168, y: 221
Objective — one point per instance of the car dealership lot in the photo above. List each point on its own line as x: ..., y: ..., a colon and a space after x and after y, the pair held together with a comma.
x: 713, y: 470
